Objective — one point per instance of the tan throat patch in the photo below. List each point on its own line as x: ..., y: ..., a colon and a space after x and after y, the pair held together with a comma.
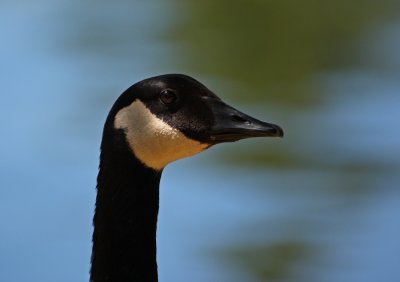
x: 154, y: 142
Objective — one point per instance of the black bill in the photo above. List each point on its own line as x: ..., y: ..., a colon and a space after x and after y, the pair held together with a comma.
x: 232, y: 125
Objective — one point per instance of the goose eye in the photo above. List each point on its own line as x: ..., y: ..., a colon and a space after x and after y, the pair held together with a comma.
x: 168, y: 97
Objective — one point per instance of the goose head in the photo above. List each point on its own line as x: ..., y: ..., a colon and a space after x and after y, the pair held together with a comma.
x: 173, y: 116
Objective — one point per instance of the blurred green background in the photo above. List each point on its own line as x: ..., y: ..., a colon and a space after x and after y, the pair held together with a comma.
x: 322, y: 204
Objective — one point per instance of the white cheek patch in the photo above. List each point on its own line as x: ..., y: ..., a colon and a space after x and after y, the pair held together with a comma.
x: 154, y: 142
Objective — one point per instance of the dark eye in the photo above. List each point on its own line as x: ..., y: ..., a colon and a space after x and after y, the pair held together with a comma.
x: 168, y: 97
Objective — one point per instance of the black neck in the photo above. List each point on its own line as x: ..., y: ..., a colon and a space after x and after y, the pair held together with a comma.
x: 125, y: 220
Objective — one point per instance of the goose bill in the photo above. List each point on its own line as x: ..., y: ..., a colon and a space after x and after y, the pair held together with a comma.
x: 232, y: 125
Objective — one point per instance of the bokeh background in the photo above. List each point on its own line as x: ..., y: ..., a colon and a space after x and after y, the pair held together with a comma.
x: 322, y: 204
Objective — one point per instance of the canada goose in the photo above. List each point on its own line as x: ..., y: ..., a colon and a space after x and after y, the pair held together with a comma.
x: 154, y: 122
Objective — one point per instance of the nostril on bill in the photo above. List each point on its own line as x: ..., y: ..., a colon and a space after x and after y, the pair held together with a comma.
x: 239, y: 119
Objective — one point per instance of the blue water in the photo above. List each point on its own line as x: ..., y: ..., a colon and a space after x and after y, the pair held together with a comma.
x: 54, y: 102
